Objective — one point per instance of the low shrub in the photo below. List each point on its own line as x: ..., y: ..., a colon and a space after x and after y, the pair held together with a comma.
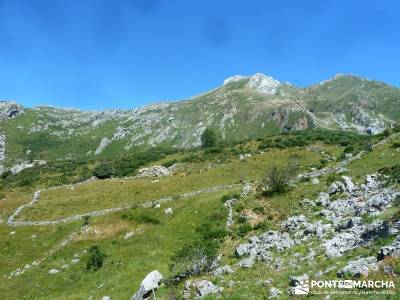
x: 147, y: 218
x: 244, y: 229
x: 194, y: 258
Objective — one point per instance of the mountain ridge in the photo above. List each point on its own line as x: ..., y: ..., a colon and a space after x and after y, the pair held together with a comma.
x: 242, y: 107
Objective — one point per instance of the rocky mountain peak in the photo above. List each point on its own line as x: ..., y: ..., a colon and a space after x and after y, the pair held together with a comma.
x: 264, y: 84
x: 259, y: 81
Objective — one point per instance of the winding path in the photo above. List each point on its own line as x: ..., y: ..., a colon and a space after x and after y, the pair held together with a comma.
x: 36, y: 197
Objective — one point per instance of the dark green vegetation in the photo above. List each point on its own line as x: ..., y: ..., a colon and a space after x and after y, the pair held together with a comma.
x: 208, y: 138
x: 96, y: 259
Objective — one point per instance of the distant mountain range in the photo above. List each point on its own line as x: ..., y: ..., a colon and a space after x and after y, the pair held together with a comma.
x: 243, y: 107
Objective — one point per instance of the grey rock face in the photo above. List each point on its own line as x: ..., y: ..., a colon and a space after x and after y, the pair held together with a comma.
x: 20, y: 167
x: 149, y: 283
x: 264, y: 84
x: 359, y: 267
x: 103, y: 144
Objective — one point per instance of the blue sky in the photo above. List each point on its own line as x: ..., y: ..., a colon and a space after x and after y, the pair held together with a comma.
x: 95, y: 54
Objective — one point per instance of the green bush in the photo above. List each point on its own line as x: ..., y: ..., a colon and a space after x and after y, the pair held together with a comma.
x: 208, y: 138
x: 396, y: 201
x: 194, y: 258
x: 278, y: 178
x: 96, y: 258
x: 214, y: 150
x: 6, y: 174
x: 85, y: 220
x: 147, y: 218
x: 244, y: 229
x: 242, y: 219
x: 169, y: 163
x: 332, y: 178
x: 103, y: 171
x: 227, y: 197
x: 348, y: 149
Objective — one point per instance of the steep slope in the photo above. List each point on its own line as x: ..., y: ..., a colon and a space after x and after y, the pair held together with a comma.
x: 355, y: 103
x: 243, y: 107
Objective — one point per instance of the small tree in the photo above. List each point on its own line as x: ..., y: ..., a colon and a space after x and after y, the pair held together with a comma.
x: 96, y: 258
x: 278, y: 178
x: 209, y: 138
x: 103, y: 171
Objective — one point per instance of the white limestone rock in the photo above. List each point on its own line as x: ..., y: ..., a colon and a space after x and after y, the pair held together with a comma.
x: 103, y: 144
x: 154, y: 171
x: 150, y: 282
x: 264, y: 84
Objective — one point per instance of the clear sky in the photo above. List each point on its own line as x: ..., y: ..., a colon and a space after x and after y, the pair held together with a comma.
x: 95, y: 54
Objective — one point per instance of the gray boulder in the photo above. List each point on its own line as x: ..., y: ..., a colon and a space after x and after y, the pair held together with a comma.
x: 294, y: 223
x: 243, y: 249
x: 150, y: 283
x: 323, y: 200
x: 205, y: 287
x: 336, y: 187
x: 223, y: 270
x: 359, y: 267
x: 247, y: 262
x: 349, y: 185
x: 247, y: 189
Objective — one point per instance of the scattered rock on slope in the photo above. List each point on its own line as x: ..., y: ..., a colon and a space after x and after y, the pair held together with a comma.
x: 150, y: 283
x: 154, y: 171
x: 359, y: 267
